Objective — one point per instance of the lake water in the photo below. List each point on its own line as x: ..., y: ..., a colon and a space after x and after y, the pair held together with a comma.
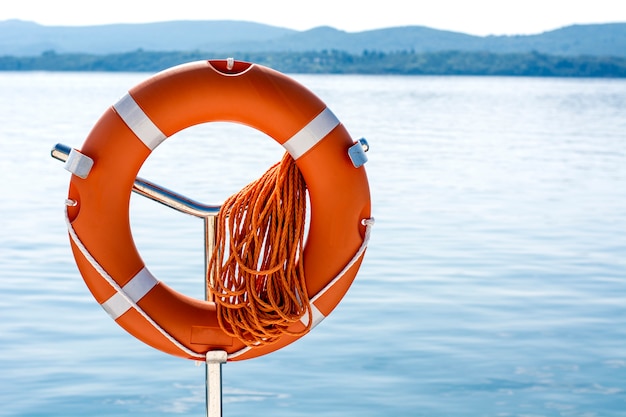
x: 494, y: 283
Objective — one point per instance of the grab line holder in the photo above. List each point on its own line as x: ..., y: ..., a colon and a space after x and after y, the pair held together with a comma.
x: 145, y: 188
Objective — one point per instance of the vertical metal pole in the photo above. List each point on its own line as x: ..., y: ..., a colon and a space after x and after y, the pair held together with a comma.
x: 214, y: 358
x: 210, y: 226
x: 214, y: 361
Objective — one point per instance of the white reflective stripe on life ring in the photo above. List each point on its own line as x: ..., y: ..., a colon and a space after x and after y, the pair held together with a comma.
x: 316, y: 317
x: 139, y: 122
x: 134, y: 290
x: 311, y: 134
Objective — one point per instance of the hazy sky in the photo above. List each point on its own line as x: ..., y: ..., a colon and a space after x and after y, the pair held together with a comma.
x: 478, y: 17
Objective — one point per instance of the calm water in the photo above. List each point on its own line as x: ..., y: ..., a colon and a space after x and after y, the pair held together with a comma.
x: 494, y: 284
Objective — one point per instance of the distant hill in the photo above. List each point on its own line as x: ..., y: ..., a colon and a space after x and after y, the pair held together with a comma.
x: 20, y: 38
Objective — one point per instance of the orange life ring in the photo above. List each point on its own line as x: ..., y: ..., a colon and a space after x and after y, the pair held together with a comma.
x: 177, y: 98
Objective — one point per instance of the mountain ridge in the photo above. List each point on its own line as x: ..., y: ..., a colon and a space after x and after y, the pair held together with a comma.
x: 24, y: 38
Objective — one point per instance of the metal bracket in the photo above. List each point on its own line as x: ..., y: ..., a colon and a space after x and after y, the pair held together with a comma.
x: 78, y: 164
x: 357, y: 151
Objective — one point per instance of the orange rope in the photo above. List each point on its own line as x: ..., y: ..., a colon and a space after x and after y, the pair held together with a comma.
x: 257, y: 263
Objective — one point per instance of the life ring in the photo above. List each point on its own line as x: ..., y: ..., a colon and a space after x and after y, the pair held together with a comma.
x: 172, y: 100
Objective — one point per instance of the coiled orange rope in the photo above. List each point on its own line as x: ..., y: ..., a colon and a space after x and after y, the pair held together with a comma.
x: 257, y: 263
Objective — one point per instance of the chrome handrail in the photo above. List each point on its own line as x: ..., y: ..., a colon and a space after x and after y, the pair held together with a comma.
x: 154, y: 191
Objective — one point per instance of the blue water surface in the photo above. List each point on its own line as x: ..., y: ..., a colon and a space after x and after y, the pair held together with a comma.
x: 494, y: 283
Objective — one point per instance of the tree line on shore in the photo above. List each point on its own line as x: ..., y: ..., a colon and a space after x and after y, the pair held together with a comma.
x: 339, y: 62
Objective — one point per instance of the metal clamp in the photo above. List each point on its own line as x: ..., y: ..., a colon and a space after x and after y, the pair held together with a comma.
x: 357, y: 151
x: 78, y: 164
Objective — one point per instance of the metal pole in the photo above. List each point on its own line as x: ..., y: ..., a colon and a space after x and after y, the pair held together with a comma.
x: 214, y: 361
x: 155, y: 192
x: 210, y: 229
x: 214, y: 358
